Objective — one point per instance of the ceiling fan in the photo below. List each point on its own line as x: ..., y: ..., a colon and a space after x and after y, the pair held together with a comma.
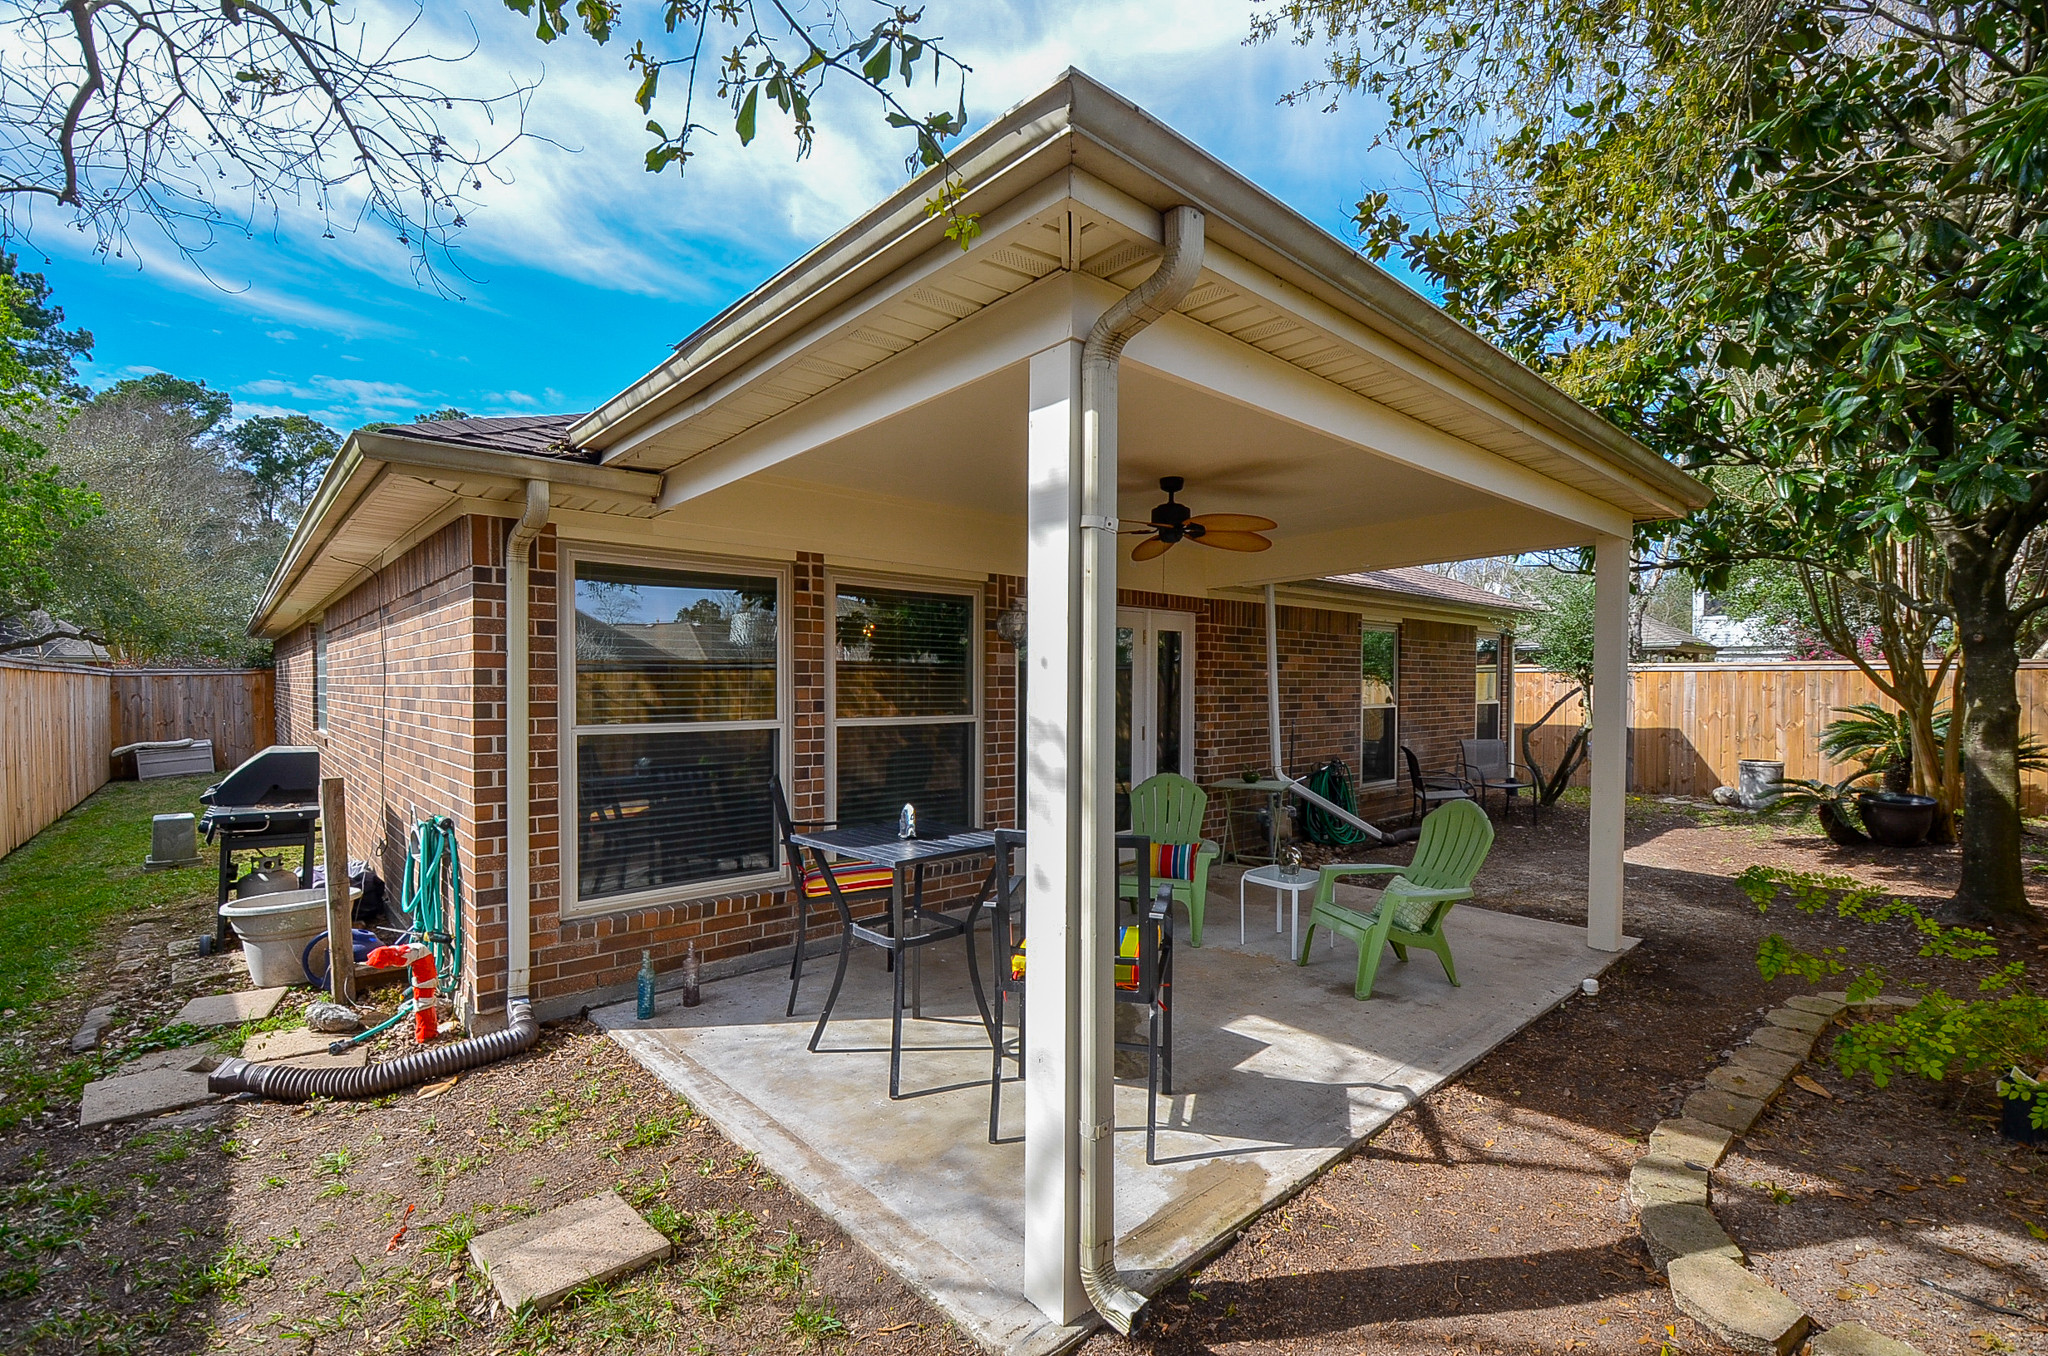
x: 1173, y: 521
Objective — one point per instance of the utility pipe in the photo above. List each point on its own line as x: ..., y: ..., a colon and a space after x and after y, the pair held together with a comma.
x: 1331, y: 807
x: 1175, y: 277
x: 1273, y: 684
x: 519, y: 746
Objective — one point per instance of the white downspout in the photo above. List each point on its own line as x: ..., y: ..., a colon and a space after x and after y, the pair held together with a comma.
x: 1273, y: 687
x: 519, y: 745
x: 1117, y: 1302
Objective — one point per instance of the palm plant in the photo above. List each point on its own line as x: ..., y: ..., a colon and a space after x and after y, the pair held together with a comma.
x: 1881, y: 741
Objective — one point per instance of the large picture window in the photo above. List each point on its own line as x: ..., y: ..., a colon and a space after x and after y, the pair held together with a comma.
x: 1379, y: 654
x: 1486, y: 689
x: 678, y: 726
x: 905, y: 724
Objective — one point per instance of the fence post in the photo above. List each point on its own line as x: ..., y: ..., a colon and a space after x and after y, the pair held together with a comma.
x: 341, y: 950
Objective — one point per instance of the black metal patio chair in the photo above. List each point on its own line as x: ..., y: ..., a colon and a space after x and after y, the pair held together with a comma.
x: 860, y: 880
x: 1431, y: 789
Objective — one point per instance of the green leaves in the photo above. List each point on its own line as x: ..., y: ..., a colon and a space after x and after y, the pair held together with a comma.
x: 743, y: 124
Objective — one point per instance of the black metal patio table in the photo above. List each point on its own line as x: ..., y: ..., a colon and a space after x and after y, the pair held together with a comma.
x: 880, y: 844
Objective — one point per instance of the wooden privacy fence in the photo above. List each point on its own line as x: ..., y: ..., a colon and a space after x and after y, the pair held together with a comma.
x: 59, y: 724
x: 1690, y: 724
x: 54, y: 723
x: 235, y: 708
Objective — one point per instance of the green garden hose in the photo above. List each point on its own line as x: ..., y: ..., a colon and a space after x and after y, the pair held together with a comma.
x: 431, y: 896
x: 1331, y: 781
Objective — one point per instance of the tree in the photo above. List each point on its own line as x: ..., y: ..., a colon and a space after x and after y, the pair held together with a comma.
x: 284, y: 457
x: 446, y: 412
x: 1800, y: 245
x: 48, y: 352
x: 203, y: 115
x: 38, y: 505
x: 172, y: 566
x: 1561, y: 632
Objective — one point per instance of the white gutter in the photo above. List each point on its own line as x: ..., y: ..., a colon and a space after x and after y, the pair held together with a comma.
x: 519, y: 745
x: 1273, y: 688
x: 1182, y: 227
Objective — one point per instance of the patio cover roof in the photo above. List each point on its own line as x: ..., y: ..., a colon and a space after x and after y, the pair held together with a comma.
x: 881, y: 379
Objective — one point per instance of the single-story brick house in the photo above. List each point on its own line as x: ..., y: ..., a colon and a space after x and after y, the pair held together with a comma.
x: 861, y: 531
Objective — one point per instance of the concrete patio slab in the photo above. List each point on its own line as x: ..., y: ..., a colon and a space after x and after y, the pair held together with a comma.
x: 229, y: 1009
x: 540, y: 1260
x: 1278, y: 1072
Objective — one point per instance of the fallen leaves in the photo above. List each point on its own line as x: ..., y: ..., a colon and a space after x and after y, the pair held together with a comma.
x: 1805, y: 1084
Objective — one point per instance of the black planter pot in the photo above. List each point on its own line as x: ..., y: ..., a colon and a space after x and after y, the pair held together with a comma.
x: 1895, y: 820
x: 2017, y: 1122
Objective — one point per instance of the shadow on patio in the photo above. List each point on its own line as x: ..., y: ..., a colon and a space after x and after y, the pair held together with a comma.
x: 1278, y: 1072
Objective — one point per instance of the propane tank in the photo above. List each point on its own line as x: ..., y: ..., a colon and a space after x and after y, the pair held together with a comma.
x: 268, y: 878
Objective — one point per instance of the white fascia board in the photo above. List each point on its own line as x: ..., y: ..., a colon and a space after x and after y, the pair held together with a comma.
x: 992, y: 339
x: 1414, y: 541
x: 1187, y: 351
x: 347, y: 479
x: 696, y: 379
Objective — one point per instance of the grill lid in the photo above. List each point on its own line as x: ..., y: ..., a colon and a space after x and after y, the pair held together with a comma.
x: 283, y: 774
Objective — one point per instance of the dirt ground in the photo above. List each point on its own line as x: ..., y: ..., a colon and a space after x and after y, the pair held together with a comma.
x: 1492, y: 1217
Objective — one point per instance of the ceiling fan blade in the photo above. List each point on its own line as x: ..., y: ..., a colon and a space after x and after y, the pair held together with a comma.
x: 1233, y: 541
x: 1234, y: 522
x: 1151, y: 550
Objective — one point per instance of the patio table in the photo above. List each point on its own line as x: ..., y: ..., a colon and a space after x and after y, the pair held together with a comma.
x: 1231, y: 789
x: 879, y: 844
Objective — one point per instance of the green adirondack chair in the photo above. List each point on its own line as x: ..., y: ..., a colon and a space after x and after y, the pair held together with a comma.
x: 1169, y: 809
x: 1453, y: 846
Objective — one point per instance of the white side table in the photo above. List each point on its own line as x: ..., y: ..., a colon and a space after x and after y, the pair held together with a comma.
x: 1271, y: 877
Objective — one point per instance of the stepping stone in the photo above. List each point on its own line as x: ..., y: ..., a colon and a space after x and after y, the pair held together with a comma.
x: 1673, y: 1231
x: 1737, y: 1307
x: 189, y: 1058
x: 1658, y: 1179
x: 540, y: 1260
x: 1783, y: 1039
x: 1690, y: 1141
x: 1724, y: 1109
x: 1819, y: 1004
x: 90, y: 1029
x: 127, y: 1096
x: 230, y: 1009
x: 1792, y: 1018
x: 301, y: 1047
x: 1745, y: 1082
x: 1770, y: 1063
x: 1853, y: 1339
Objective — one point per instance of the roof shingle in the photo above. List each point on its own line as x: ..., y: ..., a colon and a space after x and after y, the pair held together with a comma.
x: 543, y: 435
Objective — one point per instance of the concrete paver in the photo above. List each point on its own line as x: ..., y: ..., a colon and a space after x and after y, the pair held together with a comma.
x: 230, y: 1009
x: 301, y: 1047
x: 127, y: 1096
x: 540, y: 1260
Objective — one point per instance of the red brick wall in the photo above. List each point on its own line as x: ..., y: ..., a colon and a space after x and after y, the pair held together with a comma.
x: 417, y: 724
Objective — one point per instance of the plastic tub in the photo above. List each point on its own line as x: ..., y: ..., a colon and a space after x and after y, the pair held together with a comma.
x: 275, y: 929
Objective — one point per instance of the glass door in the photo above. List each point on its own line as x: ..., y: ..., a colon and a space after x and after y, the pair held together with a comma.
x: 1155, y: 699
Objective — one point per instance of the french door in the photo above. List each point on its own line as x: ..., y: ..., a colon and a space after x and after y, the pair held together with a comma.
x: 1155, y: 699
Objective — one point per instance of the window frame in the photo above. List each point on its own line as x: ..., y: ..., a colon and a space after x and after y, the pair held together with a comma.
x: 322, y: 680
x: 569, y: 807
x: 1394, y: 708
x: 1500, y: 673
x: 977, y: 626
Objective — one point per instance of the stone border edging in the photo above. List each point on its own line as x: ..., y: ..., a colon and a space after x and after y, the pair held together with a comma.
x: 1671, y: 1188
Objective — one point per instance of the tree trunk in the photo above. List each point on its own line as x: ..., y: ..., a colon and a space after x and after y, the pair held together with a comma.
x: 1986, y: 729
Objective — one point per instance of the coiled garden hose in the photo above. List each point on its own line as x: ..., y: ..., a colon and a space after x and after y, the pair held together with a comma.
x: 296, y: 1083
x: 431, y: 896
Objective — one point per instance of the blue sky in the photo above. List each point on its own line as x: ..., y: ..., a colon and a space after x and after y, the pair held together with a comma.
x: 585, y: 269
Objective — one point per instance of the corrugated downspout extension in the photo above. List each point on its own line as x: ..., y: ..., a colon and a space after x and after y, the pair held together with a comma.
x: 519, y: 743
x: 297, y: 1083
x: 1116, y: 1301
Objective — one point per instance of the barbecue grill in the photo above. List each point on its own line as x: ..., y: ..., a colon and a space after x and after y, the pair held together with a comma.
x: 269, y: 802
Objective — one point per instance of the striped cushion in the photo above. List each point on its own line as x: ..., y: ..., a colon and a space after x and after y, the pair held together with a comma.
x: 853, y: 878
x: 1175, y: 861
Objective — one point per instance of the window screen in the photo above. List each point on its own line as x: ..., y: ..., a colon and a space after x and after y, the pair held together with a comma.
x: 678, y: 708
x: 904, y: 724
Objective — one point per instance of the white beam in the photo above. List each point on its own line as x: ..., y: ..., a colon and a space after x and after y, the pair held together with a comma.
x: 1605, y: 836
x: 1193, y: 354
x: 1053, y: 827
x: 986, y: 342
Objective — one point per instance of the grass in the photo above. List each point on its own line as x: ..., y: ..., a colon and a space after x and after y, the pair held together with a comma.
x: 61, y: 893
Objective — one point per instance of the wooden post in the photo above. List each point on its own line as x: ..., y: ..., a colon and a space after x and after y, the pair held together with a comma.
x: 341, y: 951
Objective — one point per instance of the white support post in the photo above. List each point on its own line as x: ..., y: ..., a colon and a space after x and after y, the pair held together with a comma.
x: 1053, y: 824
x: 1605, y: 837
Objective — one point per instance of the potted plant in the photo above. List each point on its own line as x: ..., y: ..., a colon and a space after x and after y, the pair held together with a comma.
x: 1830, y: 802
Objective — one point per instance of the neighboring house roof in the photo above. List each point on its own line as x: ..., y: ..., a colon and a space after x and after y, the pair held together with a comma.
x: 1416, y: 582
x: 67, y: 644
x: 1664, y: 638
x: 543, y: 435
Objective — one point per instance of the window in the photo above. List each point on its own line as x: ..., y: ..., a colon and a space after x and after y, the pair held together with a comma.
x: 1486, y: 689
x: 905, y: 714
x: 1379, y: 653
x: 320, y: 675
x: 678, y: 726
